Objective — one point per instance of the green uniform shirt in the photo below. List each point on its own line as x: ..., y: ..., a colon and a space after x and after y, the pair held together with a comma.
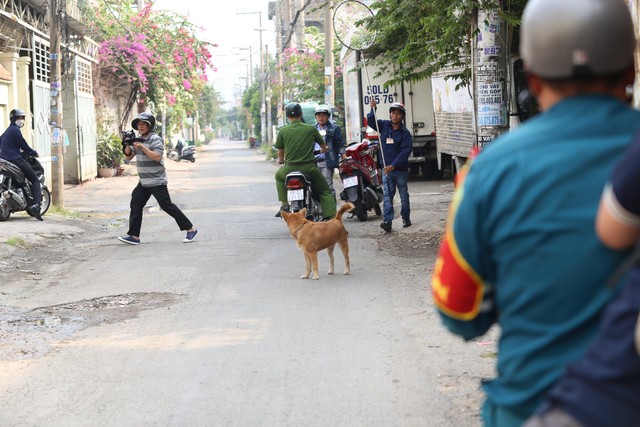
x: 298, y: 139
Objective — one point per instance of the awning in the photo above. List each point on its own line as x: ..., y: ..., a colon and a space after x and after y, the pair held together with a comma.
x: 5, y: 75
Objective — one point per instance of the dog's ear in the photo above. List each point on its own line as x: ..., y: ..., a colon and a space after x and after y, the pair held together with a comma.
x: 303, y: 211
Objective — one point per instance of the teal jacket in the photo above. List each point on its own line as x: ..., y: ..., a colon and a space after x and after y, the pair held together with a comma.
x: 525, y: 226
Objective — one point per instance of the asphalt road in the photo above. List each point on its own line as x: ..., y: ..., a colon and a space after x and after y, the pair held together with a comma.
x: 221, y: 331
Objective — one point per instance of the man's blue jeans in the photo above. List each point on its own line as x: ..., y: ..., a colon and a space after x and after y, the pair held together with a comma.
x: 390, y: 182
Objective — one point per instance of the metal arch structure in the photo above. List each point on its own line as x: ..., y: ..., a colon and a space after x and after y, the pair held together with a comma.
x: 21, y: 18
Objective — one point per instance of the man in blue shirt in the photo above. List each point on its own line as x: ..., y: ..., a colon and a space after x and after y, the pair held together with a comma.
x: 520, y: 249
x: 12, y: 144
x: 396, y: 144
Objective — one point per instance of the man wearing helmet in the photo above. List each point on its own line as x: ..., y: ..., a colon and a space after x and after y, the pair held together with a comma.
x: 328, y: 161
x: 152, y: 180
x: 12, y: 145
x: 295, y: 144
x: 520, y: 248
x: 396, y: 144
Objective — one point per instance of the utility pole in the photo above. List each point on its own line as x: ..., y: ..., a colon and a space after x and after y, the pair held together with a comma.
x: 263, y: 111
x: 55, y: 109
x: 268, y: 96
x: 329, y: 66
x: 250, y: 66
x: 490, y: 77
x: 263, y: 122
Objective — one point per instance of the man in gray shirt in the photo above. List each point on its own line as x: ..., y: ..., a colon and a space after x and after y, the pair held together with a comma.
x: 148, y: 150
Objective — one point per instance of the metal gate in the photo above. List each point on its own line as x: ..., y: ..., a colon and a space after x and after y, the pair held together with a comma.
x: 41, y: 102
x: 80, y: 125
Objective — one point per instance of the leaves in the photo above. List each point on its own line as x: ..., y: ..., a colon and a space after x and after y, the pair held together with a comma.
x: 156, y: 53
x: 109, y: 154
x: 418, y: 38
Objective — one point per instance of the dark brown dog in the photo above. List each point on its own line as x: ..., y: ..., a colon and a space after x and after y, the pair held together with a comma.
x: 316, y: 236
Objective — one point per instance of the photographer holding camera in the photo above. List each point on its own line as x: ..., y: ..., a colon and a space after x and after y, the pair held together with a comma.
x: 148, y: 150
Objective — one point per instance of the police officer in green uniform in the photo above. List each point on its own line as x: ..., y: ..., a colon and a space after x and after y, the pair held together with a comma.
x: 295, y: 144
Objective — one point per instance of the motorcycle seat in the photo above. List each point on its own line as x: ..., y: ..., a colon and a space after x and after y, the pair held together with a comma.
x: 297, y: 174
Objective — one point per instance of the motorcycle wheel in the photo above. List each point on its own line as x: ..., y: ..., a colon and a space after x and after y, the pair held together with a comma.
x: 173, y: 155
x: 361, y: 211
x: 45, y: 202
x: 377, y: 209
x: 296, y: 206
x: 193, y: 160
x: 5, y: 212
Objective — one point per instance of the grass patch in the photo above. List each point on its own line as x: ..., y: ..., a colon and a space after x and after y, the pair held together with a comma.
x: 16, y: 241
x: 59, y: 210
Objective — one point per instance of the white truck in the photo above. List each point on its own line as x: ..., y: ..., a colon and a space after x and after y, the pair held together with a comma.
x: 361, y: 86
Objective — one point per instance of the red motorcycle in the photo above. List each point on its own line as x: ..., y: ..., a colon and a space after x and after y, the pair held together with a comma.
x: 360, y: 178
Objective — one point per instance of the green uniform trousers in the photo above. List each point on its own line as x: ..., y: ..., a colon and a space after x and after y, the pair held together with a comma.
x: 318, y: 182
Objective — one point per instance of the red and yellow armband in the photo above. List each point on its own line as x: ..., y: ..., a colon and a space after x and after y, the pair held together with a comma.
x: 457, y: 288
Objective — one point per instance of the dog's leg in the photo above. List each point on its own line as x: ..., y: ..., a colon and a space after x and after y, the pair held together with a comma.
x: 307, y: 266
x: 314, y: 263
x: 344, y: 246
x: 330, y: 252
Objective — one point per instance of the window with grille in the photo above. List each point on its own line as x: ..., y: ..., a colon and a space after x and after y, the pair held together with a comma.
x: 41, y: 62
x: 84, y: 77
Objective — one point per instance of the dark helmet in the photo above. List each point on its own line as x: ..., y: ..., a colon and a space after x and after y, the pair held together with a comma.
x: 323, y: 109
x: 293, y: 109
x: 15, y: 113
x: 398, y: 106
x: 148, y: 118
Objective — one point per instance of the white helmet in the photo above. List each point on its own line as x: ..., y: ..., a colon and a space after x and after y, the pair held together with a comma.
x: 323, y: 109
x: 576, y: 38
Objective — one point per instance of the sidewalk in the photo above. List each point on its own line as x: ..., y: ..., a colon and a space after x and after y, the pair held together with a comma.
x: 100, y: 200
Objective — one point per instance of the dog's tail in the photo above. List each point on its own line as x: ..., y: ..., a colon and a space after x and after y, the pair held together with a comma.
x: 344, y: 208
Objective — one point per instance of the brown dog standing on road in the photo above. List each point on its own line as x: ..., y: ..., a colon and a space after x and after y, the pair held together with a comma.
x: 316, y: 236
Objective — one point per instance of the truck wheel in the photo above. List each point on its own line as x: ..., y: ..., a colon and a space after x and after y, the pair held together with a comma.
x: 430, y: 170
x: 426, y: 170
x: 361, y: 212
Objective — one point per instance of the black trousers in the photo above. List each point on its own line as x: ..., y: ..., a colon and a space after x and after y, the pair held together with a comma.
x: 139, y: 198
x: 27, y: 170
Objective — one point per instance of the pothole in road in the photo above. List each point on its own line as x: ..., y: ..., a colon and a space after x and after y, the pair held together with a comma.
x: 30, y: 334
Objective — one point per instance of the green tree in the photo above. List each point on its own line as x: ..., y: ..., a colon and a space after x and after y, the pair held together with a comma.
x: 209, y: 106
x: 304, y: 68
x: 152, y: 56
x: 419, y: 38
x: 251, y: 100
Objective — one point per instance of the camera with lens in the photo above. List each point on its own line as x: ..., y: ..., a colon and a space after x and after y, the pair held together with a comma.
x: 128, y: 137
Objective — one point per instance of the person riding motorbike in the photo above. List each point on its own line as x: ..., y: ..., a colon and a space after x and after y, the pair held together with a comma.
x: 295, y: 145
x: 329, y: 161
x: 12, y: 144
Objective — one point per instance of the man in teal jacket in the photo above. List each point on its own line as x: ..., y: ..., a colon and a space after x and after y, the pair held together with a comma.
x: 520, y: 249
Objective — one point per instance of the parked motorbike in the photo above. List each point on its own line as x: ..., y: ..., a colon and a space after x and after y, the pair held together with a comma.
x: 183, y: 153
x: 301, y: 195
x: 15, y: 188
x: 360, y: 179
